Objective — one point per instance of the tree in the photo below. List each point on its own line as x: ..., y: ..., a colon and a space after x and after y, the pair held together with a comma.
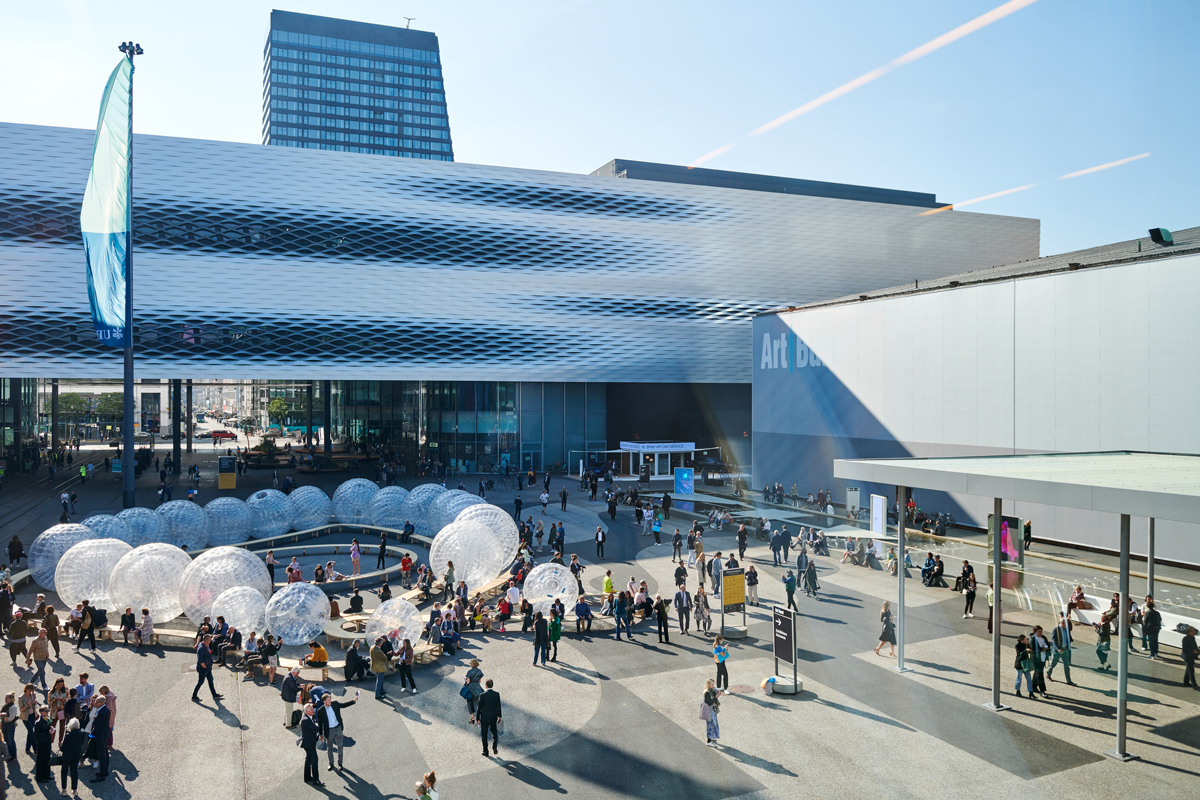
x: 278, y: 409
x: 73, y: 404
x: 111, y: 404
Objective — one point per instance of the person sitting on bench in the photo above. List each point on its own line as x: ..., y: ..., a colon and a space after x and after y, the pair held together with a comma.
x: 583, y: 615
x: 356, y: 664
x: 935, y: 577
x: 356, y: 603
x: 927, y: 570
x: 319, y: 657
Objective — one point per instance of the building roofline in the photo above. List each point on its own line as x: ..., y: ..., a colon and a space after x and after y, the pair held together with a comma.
x: 1187, y: 242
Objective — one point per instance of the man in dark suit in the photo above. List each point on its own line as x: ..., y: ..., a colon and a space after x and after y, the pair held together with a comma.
x: 290, y: 692
x: 204, y: 668
x: 308, y: 741
x: 600, y: 537
x: 101, y: 719
x: 489, y: 716
x: 329, y: 723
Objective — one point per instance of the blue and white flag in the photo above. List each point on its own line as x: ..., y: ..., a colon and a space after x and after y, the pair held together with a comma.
x: 104, y: 218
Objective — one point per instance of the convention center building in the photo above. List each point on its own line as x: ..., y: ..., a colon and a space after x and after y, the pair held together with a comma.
x: 480, y: 314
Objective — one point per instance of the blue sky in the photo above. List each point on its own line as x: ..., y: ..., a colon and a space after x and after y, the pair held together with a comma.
x: 1057, y: 87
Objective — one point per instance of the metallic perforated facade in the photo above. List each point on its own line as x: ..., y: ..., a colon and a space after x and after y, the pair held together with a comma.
x: 253, y: 261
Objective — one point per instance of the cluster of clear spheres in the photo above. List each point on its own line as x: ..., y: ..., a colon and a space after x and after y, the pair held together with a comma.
x: 500, y: 523
x: 107, y: 526
x: 229, y: 521
x: 184, y: 524
x: 416, y: 506
x: 145, y: 526
x: 297, y: 613
x: 83, y: 572
x: 547, y: 583
x: 216, y: 570
x: 474, y: 550
x: 50, y: 546
x: 352, y: 501
x: 243, y: 607
x: 446, y: 507
x: 270, y: 512
x: 311, y: 508
x: 396, y: 619
x: 149, y: 577
x: 387, y: 506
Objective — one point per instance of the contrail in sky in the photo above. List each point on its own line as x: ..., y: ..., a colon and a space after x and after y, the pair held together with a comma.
x: 998, y: 13
x: 994, y: 195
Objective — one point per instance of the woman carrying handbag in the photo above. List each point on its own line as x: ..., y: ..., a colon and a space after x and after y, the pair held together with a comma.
x: 709, y: 709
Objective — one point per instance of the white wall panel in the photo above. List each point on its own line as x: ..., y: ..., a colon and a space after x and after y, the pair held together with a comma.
x: 995, y: 383
x: 1102, y: 358
x: 1035, y: 331
x: 1124, y: 364
x: 1076, y: 361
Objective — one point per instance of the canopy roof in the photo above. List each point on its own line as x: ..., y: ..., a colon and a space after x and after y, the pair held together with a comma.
x: 1161, y: 485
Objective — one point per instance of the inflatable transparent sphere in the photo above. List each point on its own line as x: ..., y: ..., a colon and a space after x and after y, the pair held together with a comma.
x: 243, y: 607
x: 145, y: 526
x: 397, y: 619
x: 416, y: 506
x: 229, y: 521
x: 386, y: 507
x: 184, y: 524
x: 216, y: 570
x: 83, y: 572
x: 49, y: 547
x: 547, y: 583
x: 107, y: 526
x: 270, y: 512
x: 149, y: 577
x: 311, y: 508
x: 446, y: 507
x: 297, y: 613
x: 501, y: 524
x: 352, y: 501
x: 473, y: 548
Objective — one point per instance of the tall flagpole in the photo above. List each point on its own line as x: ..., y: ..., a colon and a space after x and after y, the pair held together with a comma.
x: 128, y: 492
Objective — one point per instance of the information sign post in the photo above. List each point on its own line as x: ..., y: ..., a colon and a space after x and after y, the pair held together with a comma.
x: 733, y: 600
x: 784, y: 646
x: 227, y: 472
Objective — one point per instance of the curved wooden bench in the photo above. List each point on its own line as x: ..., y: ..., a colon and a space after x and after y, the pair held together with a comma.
x: 289, y: 663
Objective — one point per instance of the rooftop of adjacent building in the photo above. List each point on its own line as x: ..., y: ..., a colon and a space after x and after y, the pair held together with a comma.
x: 350, y: 29
x: 1186, y: 242
x: 699, y: 176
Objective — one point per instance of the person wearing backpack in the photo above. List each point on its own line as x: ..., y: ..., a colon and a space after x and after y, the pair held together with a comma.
x: 87, y: 628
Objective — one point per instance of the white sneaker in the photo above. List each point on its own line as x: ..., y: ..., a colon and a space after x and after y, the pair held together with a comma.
x: 414, y: 691
x: 972, y: 616
x: 712, y: 744
x: 964, y: 616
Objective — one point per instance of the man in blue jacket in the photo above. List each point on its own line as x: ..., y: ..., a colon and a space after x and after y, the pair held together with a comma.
x: 204, y: 667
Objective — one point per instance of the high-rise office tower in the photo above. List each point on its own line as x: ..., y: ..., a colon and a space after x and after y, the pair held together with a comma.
x: 332, y: 84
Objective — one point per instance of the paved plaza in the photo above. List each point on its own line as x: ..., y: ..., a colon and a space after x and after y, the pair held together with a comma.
x: 620, y: 719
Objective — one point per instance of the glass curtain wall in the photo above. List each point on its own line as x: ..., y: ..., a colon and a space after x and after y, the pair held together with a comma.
x: 18, y: 421
x: 473, y: 426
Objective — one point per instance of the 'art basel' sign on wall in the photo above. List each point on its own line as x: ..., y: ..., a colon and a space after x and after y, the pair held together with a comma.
x: 785, y: 352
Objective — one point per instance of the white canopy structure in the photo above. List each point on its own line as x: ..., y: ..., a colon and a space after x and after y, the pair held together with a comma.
x: 1154, y: 485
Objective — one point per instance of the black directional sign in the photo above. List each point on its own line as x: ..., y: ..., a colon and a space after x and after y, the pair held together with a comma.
x: 785, y: 635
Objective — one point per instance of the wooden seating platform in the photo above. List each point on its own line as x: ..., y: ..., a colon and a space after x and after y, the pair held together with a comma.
x: 289, y: 663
